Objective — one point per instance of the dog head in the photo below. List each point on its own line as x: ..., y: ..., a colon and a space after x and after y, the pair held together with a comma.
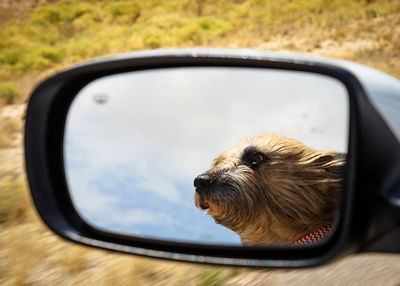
x: 271, y: 189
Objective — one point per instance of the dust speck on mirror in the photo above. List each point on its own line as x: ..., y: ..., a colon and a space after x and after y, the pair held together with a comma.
x: 209, y: 155
x: 100, y: 98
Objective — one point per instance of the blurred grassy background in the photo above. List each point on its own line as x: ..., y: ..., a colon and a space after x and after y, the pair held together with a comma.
x: 40, y: 37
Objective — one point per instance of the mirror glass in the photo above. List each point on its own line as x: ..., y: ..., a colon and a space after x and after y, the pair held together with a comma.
x: 210, y: 155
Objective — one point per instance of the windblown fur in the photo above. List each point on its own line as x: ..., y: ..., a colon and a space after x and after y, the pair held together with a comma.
x: 272, y: 189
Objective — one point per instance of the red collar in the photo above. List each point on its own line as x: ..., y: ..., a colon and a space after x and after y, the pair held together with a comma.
x: 314, y: 236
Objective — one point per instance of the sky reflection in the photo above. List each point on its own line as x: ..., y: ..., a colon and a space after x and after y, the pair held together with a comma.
x: 134, y: 142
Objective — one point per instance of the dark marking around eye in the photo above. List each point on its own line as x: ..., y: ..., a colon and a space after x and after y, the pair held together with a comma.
x: 253, y: 158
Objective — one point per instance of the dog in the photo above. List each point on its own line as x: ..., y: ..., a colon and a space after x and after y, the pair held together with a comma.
x: 272, y: 189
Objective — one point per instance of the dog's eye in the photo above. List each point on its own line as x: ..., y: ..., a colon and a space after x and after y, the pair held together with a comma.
x: 257, y: 159
x: 252, y: 157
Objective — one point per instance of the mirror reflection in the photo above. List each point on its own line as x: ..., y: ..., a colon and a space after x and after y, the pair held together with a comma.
x: 210, y: 155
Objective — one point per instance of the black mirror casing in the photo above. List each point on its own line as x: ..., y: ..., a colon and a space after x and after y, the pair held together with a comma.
x: 369, y: 218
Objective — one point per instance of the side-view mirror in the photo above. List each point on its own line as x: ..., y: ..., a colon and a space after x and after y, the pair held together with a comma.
x: 230, y: 157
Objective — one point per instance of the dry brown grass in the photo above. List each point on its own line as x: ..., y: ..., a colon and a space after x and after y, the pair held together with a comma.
x: 9, y: 129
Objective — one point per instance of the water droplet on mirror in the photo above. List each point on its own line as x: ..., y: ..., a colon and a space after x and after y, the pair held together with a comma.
x: 100, y: 98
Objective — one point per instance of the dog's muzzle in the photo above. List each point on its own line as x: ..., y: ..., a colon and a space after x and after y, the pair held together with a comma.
x: 203, y: 184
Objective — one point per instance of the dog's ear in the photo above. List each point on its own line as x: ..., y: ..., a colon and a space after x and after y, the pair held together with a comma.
x: 335, y: 163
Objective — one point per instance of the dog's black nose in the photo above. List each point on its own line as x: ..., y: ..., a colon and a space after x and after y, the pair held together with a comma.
x: 202, y: 182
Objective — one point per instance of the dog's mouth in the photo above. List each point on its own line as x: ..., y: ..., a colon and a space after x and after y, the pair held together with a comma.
x: 201, y: 202
x: 204, y: 205
x: 211, y: 198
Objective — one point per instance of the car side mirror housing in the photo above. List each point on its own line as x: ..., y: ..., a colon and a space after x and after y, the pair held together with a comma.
x: 295, y: 160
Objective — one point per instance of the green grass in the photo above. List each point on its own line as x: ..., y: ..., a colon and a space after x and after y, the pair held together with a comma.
x: 8, y: 92
x: 72, y: 30
x: 216, y: 276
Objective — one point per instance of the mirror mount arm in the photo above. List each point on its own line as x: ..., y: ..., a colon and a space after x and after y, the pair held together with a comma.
x: 377, y: 204
x: 392, y: 194
x: 384, y: 243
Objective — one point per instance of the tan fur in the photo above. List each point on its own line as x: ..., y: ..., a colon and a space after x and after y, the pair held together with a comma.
x: 296, y: 191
